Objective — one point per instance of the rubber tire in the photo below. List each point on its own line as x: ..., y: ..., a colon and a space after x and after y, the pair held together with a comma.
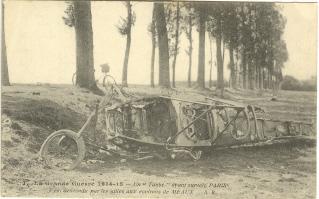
x: 70, y: 134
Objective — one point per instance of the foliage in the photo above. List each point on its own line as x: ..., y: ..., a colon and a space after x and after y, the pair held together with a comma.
x: 309, y: 85
x: 231, y: 24
x: 69, y: 19
x: 151, y: 28
x: 252, y: 32
x: 125, y: 24
x: 171, y: 15
x: 291, y: 83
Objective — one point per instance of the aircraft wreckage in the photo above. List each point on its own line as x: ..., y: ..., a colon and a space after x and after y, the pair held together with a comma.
x: 168, y: 127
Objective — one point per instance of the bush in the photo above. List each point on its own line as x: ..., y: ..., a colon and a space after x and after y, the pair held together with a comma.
x: 309, y: 85
x: 291, y: 83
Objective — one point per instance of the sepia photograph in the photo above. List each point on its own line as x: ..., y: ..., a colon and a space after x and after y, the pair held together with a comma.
x: 158, y: 99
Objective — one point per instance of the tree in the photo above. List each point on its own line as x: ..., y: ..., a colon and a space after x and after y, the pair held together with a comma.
x: 243, y: 39
x: 261, y: 46
x: 262, y: 10
x: 174, y: 21
x: 202, y: 14
x: 262, y: 52
x: 248, y: 42
x: 215, y: 28
x: 162, y: 45
x: 152, y: 30
x: 177, y: 33
x: 271, y: 51
x: 261, y: 27
x: 291, y: 83
x: 187, y: 27
x: 219, y: 57
x: 125, y: 28
x: 4, y: 63
x: 79, y: 16
x: 210, y: 61
x: 280, y: 56
x: 231, y: 38
x: 280, y: 53
x: 252, y: 45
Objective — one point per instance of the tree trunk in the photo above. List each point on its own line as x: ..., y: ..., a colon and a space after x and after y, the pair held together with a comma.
x: 176, y: 43
x: 258, y: 66
x: 128, y: 43
x: 232, y: 66
x: 223, y: 58
x: 223, y: 52
x: 152, y: 65
x: 201, y: 51
x: 256, y: 75
x: 269, y: 78
x: 211, y: 62
x: 238, y: 69
x: 162, y: 45
x: 244, y: 69
x: 84, y: 45
x: 266, y: 83
x: 236, y: 74
x: 153, y: 48
x: 261, y: 78
x: 251, y: 74
x: 126, y: 58
x: 4, y: 63
x: 190, y: 51
x: 219, y: 58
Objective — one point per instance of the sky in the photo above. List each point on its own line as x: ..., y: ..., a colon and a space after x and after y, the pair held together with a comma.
x: 41, y: 48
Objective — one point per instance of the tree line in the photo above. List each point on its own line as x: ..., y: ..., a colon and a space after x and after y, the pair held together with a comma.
x: 251, y: 32
x: 291, y: 83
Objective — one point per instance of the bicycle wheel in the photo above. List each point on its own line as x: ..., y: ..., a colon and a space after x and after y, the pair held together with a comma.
x: 63, y: 149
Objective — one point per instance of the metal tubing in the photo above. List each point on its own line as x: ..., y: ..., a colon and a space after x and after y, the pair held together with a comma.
x: 203, y: 103
x: 201, y: 115
x: 86, y: 123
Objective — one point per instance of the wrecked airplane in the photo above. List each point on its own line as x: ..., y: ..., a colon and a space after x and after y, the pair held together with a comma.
x: 168, y: 127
